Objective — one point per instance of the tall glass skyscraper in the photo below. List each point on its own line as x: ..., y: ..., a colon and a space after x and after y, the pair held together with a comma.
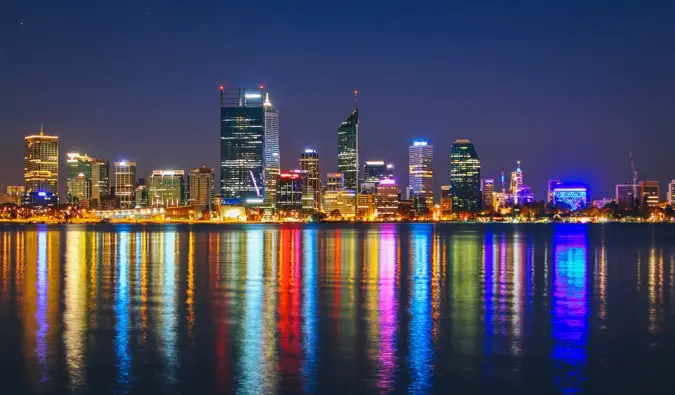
x: 376, y: 170
x: 125, y: 184
x: 41, y: 163
x: 271, y: 159
x: 79, y: 177
x: 348, y: 150
x: 242, y: 134
x: 309, y: 162
x: 465, y: 177
x: 421, y: 171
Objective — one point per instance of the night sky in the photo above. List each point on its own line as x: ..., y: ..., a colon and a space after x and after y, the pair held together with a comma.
x: 567, y: 87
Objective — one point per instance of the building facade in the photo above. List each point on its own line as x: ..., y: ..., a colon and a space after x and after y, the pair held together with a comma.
x: 290, y: 191
x: 15, y: 192
x: 78, y: 177
x: 125, y: 184
x: 100, y: 181
x: 41, y: 163
x: 629, y: 196
x: 421, y: 171
x: 201, y: 183
x: 671, y: 193
x: 570, y: 197
x: 650, y: 193
x: 387, y: 199
x: 550, y: 186
x: 348, y: 150
x: 487, y: 189
x: 242, y: 133
x: 309, y: 162
x: 166, y: 188
x: 465, y: 177
x: 271, y: 158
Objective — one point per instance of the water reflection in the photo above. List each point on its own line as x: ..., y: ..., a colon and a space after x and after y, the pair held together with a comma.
x: 325, y: 309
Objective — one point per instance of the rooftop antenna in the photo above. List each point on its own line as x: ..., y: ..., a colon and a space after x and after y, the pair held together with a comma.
x: 356, y: 99
x: 42, y: 130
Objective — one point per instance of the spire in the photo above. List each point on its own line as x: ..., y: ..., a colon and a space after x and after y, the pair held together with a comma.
x: 356, y: 99
x: 267, y: 100
x: 42, y: 130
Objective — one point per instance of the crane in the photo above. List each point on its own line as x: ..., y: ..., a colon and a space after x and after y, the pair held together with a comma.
x: 632, y: 165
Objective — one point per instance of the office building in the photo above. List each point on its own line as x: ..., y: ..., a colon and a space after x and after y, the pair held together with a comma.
x: 366, y: 205
x: 41, y: 163
x: 125, y: 183
x: 650, y: 192
x: 376, y: 170
x: 142, y: 195
x: 629, y: 196
x: 421, y: 171
x: 290, y: 190
x: 337, y: 197
x: 271, y: 158
x: 78, y: 177
x: 100, y: 181
x: 671, y: 193
x: 387, y: 199
x: 201, y: 183
x: 487, y: 189
x: 570, y: 197
x: 464, y: 177
x: 550, y: 186
x: 166, y: 188
x: 15, y: 192
x: 39, y: 200
x: 309, y: 162
x: 520, y: 193
x: 335, y: 182
x: 446, y: 200
x: 242, y: 133
x: 348, y: 150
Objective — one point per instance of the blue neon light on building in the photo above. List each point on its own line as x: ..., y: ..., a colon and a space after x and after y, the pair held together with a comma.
x: 573, y: 198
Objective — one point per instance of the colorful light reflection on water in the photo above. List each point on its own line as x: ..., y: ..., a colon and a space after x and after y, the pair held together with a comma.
x: 324, y: 309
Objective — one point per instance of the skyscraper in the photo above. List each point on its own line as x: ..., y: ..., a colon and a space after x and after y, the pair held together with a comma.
x: 671, y: 193
x: 348, y: 150
x: 78, y: 177
x: 464, y: 177
x: 651, y: 192
x: 125, y: 183
x: 166, y: 188
x: 41, y: 163
x: 488, y: 191
x: 309, y: 162
x: 242, y: 132
x: 201, y: 187
x: 271, y: 158
x: 421, y: 171
x: 629, y: 196
x: 290, y: 192
x: 376, y: 170
x: 100, y: 181
x: 551, y: 185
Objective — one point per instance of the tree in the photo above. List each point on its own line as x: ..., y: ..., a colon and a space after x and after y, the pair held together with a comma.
x: 335, y: 214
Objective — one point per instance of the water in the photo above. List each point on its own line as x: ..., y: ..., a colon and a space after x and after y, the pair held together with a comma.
x: 334, y: 309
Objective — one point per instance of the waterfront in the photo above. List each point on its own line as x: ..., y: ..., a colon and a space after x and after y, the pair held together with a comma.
x: 337, y: 308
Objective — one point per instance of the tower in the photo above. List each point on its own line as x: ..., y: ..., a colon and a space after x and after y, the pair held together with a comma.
x: 125, y: 183
x: 348, y: 148
x: 41, y: 163
x: 309, y: 162
x: 271, y: 158
x: 464, y: 177
x: 421, y: 171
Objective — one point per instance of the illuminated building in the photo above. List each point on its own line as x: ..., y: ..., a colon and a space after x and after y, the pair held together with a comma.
x: 166, y: 188
x: 41, y: 163
x: 201, y: 182
x: 290, y: 187
x: 348, y: 150
x: 141, y: 194
x: 309, y: 162
x: 671, y: 193
x: 387, y: 199
x: 100, y: 180
x: 629, y: 196
x: 366, y: 205
x: 39, y: 200
x: 650, y: 193
x: 421, y: 171
x: 125, y: 183
x: 307, y: 191
x: 570, y: 197
x: 376, y: 170
x: 336, y: 197
x: 336, y: 182
x: 271, y: 158
x: 551, y: 185
x: 520, y: 193
x: 446, y: 200
x: 15, y: 192
x: 464, y: 177
x: 242, y: 132
x: 488, y: 191
x: 78, y: 177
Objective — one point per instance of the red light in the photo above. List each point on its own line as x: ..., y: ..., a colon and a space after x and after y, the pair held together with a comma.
x: 356, y: 91
x: 222, y: 88
x: 262, y: 86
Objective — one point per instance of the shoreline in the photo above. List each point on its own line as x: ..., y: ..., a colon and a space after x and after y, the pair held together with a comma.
x: 216, y: 223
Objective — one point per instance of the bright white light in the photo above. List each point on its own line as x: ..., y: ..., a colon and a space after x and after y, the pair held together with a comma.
x: 253, y: 95
x: 420, y: 143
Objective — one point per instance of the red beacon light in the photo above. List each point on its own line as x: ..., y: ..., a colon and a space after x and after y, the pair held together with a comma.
x: 222, y: 88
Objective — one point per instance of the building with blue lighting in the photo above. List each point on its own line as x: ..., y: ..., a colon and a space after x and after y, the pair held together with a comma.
x: 570, y: 197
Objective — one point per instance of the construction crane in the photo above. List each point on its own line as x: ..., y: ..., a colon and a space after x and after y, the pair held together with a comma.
x: 632, y: 165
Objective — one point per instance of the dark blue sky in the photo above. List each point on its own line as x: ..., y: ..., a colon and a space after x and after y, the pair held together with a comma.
x: 567, y: 87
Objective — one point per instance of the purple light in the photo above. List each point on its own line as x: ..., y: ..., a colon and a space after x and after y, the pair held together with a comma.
x: 387, y: 181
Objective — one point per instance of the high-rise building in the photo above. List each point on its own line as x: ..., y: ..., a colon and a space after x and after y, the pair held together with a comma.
x: 201, y: 187
x: 376, y: 170
x: 337, y: 197
x: 421, y: 171
x: 446, y: 199
x: 271, y: 158
x: 551, y: 185
x: 387, y: 199
x: 348, y: 150
x: 166, y: 188
x: 670, y: 193
x: 290, y: 190
x: 125, y: 183
x: 15, y: 192
x: 141, y: 194
x: 629, y: 196
x: 78, y: 177
x: 100, y: 181
x: 41, y: 163
x: 488, y: 191
x: 464, y: 177
x: 242, y: 133
x: 651, y: 192
x: 309, y: 162
x: 335, y: 182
